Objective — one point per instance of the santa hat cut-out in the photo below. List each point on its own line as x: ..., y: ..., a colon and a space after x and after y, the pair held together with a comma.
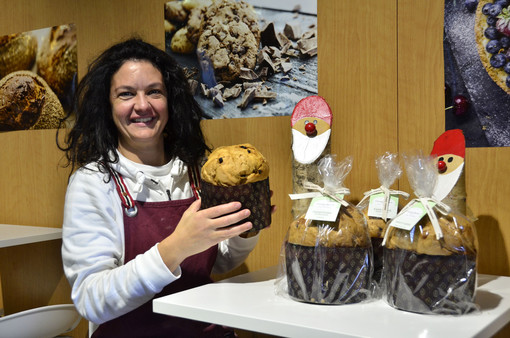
x: 450, y: 142
x: 312, y: 106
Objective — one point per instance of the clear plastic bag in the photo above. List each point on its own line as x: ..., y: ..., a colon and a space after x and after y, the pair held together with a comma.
x: 327, y: 261
x: 380, y: 205
x: 429, y: 266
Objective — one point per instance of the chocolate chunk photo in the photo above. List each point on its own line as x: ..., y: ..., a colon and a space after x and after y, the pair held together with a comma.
x: 244, y: 58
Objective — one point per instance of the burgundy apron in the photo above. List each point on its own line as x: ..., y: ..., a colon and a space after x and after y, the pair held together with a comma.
x: 150, y: 223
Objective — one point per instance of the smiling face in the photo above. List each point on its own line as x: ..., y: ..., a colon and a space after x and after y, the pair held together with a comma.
x: 139, y: 107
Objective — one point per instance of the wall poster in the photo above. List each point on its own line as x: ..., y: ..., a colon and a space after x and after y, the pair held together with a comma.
x: 477, y: 70
x: 245, y: 58
x: 37, y: 75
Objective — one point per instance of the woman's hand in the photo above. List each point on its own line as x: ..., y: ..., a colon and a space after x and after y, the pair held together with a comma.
x: 198, y: 230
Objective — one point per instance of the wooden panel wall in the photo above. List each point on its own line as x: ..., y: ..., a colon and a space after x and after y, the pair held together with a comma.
x: 358, y: 78
x: 32, y: 187
x: 380, y: 69
x: 421, y: 121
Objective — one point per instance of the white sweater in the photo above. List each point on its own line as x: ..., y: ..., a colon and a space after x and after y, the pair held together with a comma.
x: 103, y: 287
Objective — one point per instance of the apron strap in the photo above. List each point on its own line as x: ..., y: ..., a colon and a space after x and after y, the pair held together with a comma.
x: 129, y: 203
x: 125, y: 197
x: 194, y: 180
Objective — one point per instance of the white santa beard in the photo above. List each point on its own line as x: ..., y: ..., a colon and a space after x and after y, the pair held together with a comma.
x: 308, y: 149
x: 445, y: 183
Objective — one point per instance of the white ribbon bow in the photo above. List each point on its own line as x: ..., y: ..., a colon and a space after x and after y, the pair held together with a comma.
x: 330, y: 193
x: 387, y: 194
x: 440, y: 206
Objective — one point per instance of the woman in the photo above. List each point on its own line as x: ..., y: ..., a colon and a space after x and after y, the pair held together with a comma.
x: 133, y: 229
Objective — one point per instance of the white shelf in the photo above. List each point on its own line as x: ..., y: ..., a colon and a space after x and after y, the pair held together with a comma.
x: 249, y: 302
x: 11, y: 235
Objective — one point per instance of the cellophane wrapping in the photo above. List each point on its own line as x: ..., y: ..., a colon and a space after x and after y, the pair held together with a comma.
x: 327, y: 262
x: 423, y: 273
x: 388, y: 170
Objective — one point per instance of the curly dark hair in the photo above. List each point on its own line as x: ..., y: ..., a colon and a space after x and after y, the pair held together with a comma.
x: 94, y: 136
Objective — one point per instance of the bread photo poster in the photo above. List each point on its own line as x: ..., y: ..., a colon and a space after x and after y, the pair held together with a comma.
x: 245, y: 58
x: 37, y: 76
x: 477, y: 70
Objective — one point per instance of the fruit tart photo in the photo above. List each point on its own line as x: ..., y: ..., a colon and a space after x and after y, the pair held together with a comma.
x: 492, y: 30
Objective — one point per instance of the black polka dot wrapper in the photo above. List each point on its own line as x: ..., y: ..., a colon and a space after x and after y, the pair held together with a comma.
x: 429, y: 284
x: 254, y: 196
x: 328, y: 275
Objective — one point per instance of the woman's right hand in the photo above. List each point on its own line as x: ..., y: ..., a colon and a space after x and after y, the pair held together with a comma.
x: 198, y: 230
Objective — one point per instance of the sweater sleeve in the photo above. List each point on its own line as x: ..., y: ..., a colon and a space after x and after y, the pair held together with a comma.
x: 232, y: 252
x: 102, y: 286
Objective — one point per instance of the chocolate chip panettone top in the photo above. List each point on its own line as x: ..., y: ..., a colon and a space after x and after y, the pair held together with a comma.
x: 235, y: 165
x: 458, y: 237
x: 376, y: 226
x: 349, y: 231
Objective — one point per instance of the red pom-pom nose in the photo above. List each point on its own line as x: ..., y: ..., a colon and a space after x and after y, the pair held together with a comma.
x: 310, y: 129
x: 441, y: 166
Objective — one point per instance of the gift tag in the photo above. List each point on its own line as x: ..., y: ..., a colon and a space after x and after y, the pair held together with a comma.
x: 408, y: 218
x: 376, y: 206
x: 324, y: 208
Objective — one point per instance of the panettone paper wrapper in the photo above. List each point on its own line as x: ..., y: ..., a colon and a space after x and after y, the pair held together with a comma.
x: 430, y: 284
x: 325, y: 275
x: 254, y: 196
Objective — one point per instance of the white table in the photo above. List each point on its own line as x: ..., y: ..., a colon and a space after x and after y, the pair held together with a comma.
x: 11, y: 235
x: 249, y: 302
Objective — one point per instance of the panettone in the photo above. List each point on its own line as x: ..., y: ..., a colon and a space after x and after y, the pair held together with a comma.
x: 350, y: 231
x: 238, y: 173
x: 425, y: 275
x: 376, y: 225
x: 329, y: 262
x: 458, y: 238
x: 235, y: 165
x: 376, y: 228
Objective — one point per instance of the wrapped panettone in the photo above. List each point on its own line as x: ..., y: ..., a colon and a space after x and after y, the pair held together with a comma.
x: 327, y: 253
x: 380, y: 205
x: 238, y: 173
x: 430, y: 252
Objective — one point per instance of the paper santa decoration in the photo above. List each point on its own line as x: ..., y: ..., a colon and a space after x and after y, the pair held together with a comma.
x: 450, y: 150
x: 311, y: 128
